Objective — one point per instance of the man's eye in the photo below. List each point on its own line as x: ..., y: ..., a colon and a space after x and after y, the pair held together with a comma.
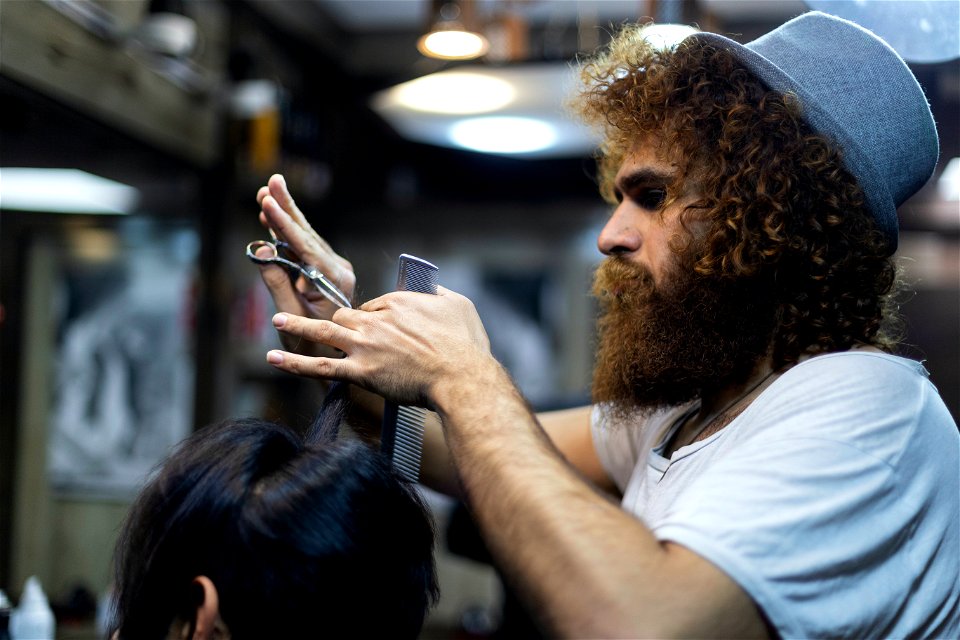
x: 651, y: 199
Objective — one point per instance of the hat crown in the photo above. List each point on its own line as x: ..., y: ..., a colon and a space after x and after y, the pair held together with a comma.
x: 854, y: 89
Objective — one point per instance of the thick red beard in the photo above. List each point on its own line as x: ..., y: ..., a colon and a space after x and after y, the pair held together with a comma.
x: 661, y: 346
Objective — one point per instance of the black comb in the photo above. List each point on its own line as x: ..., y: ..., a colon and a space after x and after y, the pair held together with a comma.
x: 401, y: 437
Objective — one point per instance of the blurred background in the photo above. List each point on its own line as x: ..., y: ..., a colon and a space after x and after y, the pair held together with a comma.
x: 134, y: 135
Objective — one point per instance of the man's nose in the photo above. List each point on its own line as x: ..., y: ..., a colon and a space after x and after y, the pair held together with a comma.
x: 621, y: 234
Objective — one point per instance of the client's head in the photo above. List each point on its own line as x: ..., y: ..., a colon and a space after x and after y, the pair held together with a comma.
x: 251, y: 530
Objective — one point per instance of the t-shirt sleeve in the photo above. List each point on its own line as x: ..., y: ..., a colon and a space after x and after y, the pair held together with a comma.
x: 615, y: 444
x: 817, y: 518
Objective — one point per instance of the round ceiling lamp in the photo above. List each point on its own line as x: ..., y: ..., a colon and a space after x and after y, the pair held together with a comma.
x: 506, y: 135
x: 449, y: 39
x: 454, y: 92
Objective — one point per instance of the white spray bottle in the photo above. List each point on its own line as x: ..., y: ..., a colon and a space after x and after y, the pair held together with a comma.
x: 33, y: 618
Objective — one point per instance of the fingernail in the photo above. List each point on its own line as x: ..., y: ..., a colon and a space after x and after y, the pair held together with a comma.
x: 274, y: 357
x: 279, y: 320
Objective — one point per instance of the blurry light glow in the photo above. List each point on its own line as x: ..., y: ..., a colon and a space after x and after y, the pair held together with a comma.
x: 94, y: 245
x: 919, y: 30
x: 505, y: 134
x: 667, y: 36
x: 251, y: 98
x: 948, y: 184
x: 63, y: 191
x: 537, y: 91
x: 455, y: 93
x: 453, y: 44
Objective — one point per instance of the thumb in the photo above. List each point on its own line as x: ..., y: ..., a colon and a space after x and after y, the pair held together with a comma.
x: 281, y: 288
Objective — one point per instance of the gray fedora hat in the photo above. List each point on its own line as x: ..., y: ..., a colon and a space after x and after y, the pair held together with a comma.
x: 855, y: 90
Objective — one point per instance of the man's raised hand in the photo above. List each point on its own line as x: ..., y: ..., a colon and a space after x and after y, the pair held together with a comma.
x: 402, y: 345
x: 279, y: 213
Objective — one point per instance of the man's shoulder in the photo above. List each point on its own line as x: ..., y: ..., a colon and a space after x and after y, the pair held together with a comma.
x: 870, y: 374
x: 870, y: 401
x: 866, y: 360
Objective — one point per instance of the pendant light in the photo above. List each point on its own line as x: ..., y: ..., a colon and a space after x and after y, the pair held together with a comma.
x: 448, y: 37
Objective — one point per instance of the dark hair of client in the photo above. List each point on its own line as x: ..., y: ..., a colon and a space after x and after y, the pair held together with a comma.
x: 781, y: 208
x: 302, y: 536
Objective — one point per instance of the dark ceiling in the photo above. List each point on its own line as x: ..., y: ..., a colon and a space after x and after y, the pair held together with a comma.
x: 370, y: 44
x: 331, y: 55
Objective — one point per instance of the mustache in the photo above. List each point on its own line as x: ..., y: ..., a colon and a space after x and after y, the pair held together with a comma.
x: 617, y: 280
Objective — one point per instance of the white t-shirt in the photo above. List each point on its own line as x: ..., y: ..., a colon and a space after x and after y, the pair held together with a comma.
x: 833, y: 500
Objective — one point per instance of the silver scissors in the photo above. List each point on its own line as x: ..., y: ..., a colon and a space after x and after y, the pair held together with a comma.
x: 329, y: 290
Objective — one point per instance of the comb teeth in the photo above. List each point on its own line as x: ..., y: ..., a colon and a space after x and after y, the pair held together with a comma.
x: 417, y: 275
x: 408, y: 441
x: 402, y: 434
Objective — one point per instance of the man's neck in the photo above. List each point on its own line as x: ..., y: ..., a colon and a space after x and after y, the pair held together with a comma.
x: 719, y: 407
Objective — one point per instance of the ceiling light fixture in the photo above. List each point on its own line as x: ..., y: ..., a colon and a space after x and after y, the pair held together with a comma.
x: 63, y: 191
x: 503, y: 134
x: 449, y: 39
x: 428, y: 109
x: 452, y: 92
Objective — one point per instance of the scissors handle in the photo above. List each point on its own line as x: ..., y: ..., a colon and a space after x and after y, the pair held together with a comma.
x: 329, y: 290
x: 274, y: 256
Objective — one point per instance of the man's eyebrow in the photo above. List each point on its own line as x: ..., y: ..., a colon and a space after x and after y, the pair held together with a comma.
x: 643, y: 177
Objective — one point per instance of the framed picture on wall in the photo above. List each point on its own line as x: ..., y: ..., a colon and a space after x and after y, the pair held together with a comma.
x: 122, y: 375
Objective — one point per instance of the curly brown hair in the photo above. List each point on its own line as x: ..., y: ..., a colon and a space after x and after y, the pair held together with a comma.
x: 780, y: 206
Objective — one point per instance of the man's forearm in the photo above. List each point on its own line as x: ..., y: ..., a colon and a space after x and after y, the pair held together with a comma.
x: 582, y: 564
x: 558, y: 539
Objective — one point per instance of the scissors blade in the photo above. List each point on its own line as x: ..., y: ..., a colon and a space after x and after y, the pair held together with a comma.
x: 329, y: 290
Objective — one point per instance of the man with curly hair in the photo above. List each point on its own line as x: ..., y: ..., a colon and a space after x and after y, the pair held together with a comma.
x: 780, y: 472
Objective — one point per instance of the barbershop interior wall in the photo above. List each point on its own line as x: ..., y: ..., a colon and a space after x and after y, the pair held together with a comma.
x: 517, y: 236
